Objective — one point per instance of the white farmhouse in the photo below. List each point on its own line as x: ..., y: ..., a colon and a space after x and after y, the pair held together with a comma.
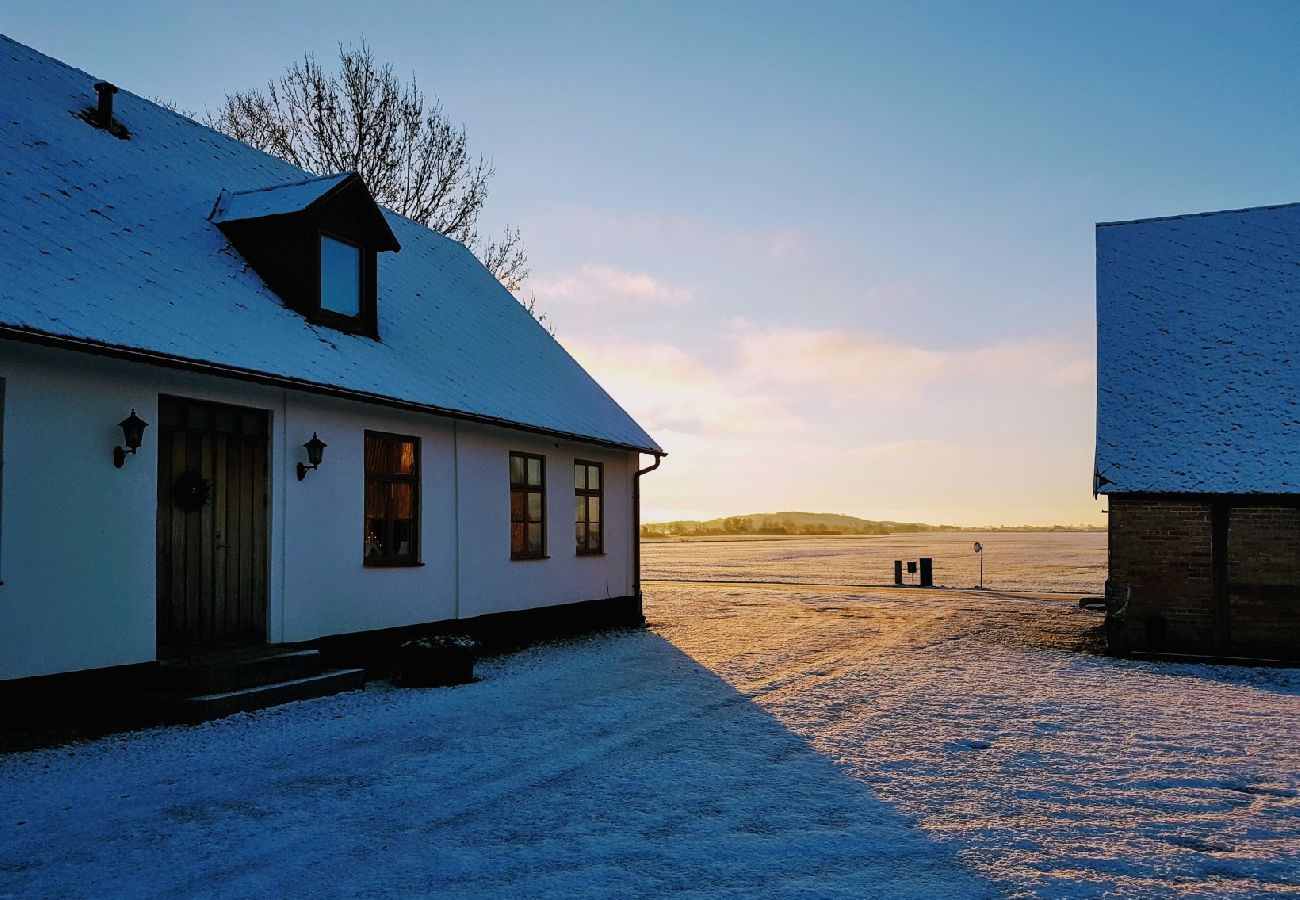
x: 348, y: 424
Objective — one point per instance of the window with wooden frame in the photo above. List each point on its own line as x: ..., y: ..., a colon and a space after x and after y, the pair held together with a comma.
x: 346, y: 285
x: 392, y: 533
x: 588, y: 492
x: 527, y: 506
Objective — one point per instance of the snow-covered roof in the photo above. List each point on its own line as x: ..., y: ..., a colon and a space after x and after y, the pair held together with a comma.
x: 279, y: 200
x: 107, y: 243
x: 1198, y: 340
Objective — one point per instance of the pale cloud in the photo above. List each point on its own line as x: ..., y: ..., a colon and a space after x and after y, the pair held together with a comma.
x: 838, y: 420
x: 833, y: 360
x: 666, y: 388
x: 790, y: 245
x: 600, y: 285
x: 864, y: 364
x: 891, y: 294
x: 659, y: 233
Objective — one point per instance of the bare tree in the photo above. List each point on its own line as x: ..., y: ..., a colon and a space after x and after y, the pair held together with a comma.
x: 412, y: 157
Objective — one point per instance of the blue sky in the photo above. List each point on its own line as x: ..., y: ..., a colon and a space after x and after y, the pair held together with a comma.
x: 834, y: 256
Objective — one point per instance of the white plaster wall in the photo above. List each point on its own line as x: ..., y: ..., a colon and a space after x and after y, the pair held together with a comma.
x: 77, y: 552
x: 490, y: 581
x: 327, y: 589
x: 77, y: 536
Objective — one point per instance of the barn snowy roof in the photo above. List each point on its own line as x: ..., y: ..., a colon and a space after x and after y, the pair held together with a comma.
x: 1198, y: 340
x: 107, y: 244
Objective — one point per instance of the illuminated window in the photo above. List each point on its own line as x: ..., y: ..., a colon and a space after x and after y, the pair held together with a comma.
x: 588, y: 493
x: 392, y: 500
x: 340, y: 277
x: 527, y: 506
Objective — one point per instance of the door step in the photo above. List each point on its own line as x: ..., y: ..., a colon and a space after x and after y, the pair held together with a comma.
x: 214, y: 673
x: 182, y: 709
x: 211, y: 685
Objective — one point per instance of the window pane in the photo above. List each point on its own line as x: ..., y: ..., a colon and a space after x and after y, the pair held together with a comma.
x: 580, y: 476
x: 535, y: 538
x: 376, y: 494
x: 404, y: 537
x: 535, y: 472
x: 406, y: 458
x: 516, y: 470
x: 593, y: 478
x: 594, y: 508
x: 593, y: 536
x: 517, y: 506
x: 375, y: 458
x: 376, y: 537
x: 534, y: 506
x: 516, y: 537
x: 580, y: 509
x: 403, y: 501
x: 580, y: 535
x: 340, y: 277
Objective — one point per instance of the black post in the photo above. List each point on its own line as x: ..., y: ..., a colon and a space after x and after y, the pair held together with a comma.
x: 927, y: 572
x: 898, y: 571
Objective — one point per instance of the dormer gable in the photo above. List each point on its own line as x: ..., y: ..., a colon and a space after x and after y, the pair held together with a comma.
x: 315, y: 243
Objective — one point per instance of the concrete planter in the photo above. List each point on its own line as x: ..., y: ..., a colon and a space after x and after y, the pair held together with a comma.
x: 436, y: 661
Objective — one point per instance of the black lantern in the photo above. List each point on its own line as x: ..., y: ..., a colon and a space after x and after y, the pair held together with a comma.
x: 315, y: 450
x: 133, y: 434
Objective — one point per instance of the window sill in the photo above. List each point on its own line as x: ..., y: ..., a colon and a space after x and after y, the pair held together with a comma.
x: 391, y: 564
x: 590, y: 553
x: 514, y: 558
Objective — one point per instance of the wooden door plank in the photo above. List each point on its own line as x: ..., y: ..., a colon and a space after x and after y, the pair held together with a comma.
x: 163, y: 552
x: 220, y: 518
x: 234, y: 518
x: 257, y: 627
x: 247, y: 525
x: 208, y: 603
x: 177, y: 599
x: 193, y: 547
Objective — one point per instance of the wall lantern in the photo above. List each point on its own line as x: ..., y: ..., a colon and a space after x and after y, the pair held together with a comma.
x: 315, y: 450
x: 133, y: 433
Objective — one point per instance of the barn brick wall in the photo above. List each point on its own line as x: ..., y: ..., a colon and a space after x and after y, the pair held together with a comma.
x: 1162, y: 561
x: 1263, y: 594
x: 1161, y: 558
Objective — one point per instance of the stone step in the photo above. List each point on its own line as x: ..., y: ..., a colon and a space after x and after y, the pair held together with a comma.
x: 232, y: 671
x: 192, y: 708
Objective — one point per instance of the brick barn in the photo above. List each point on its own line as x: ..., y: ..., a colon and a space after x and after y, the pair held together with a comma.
x: 1198, y: 432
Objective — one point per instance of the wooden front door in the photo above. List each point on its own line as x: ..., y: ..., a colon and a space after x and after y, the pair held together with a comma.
x: 212, y: 514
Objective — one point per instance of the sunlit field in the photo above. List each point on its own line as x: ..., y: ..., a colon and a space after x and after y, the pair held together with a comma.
x: 1047, y: 561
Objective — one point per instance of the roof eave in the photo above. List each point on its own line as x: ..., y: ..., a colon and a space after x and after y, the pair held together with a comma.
x: 151, y: 357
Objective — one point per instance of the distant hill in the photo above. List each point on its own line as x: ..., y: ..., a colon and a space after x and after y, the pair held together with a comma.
x: 822, y: 523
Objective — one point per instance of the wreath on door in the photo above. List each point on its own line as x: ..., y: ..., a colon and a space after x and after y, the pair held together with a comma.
x: 191, y: 491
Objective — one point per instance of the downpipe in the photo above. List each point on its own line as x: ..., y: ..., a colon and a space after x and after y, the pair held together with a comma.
x: 636, y: 531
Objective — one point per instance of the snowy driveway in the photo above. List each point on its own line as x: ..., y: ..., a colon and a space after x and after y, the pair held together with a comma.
x: 756, y: 741
x: 1051, y: 772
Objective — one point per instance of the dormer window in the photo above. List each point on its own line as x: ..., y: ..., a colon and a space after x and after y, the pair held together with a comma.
x: 340, y: 277
x: 315, y: 243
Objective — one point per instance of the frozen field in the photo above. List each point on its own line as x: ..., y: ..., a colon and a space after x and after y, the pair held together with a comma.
x: 1031, y: 561
x: 758, y: 740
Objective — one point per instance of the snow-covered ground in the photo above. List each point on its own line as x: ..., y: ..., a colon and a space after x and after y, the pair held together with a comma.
x: 1051, y: 772
x: 754, y: 741
x: 615, y: 766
